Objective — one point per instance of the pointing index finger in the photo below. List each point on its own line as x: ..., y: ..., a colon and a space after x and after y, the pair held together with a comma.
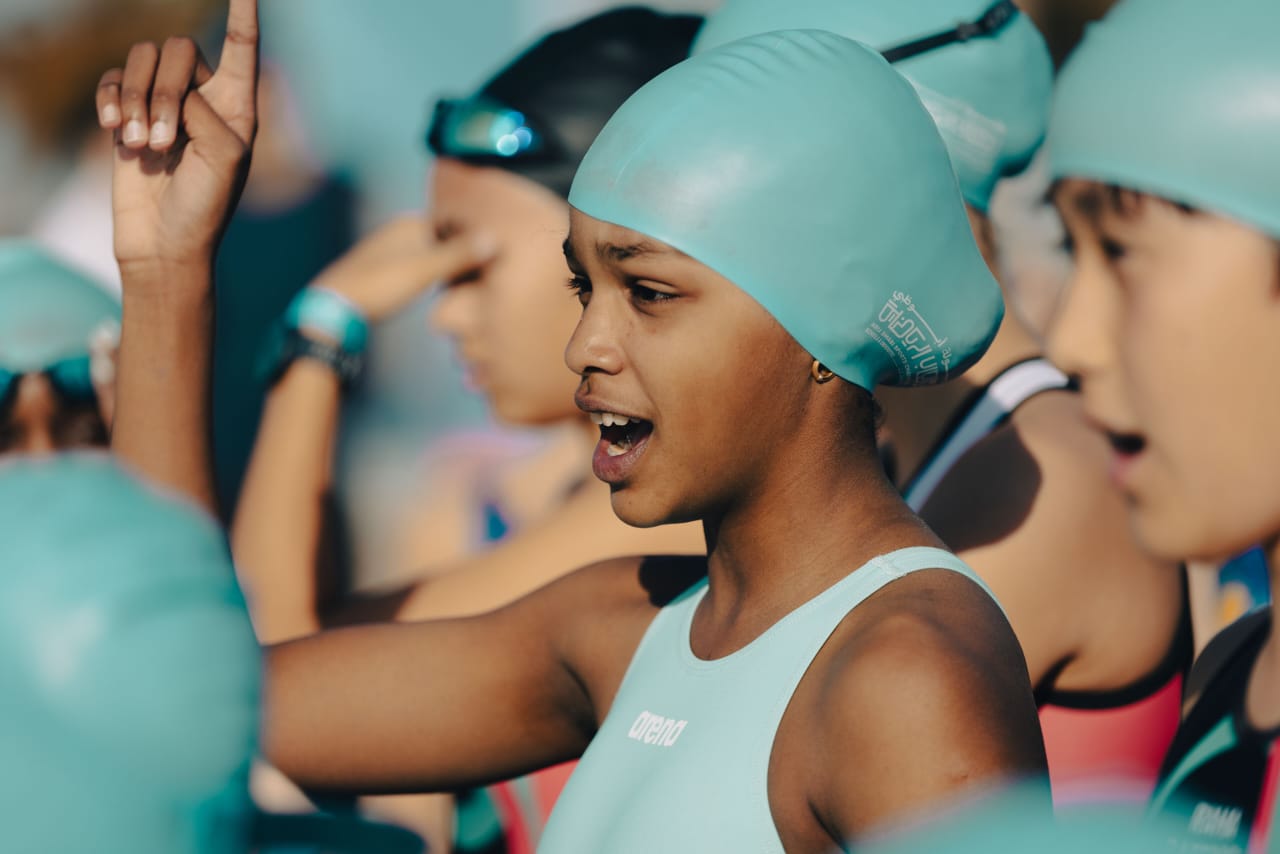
x: 240, y: 50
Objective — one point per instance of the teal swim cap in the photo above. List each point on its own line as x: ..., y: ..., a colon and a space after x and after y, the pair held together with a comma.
x: 989, y: 92
x: 128, y: 667
x: 48, y: 311
x: 802, y: 168
x: 1179, y: 99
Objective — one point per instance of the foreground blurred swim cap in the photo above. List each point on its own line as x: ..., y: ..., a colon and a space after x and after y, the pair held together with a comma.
x: 800, y: 166
x: 568, y: 84
x: 1180, y: 99
x: 989, y: 94
x: 128, y: 668
x: 47, y: 310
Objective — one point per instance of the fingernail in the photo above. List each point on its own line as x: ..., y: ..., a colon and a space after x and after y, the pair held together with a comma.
x: 110, y: 114
x: 135, y: 131
x: 161, y: 133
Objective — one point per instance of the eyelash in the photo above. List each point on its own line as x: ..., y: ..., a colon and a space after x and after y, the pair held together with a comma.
x: 1112, y: 249
x: 580, y: 286
x: 648, y: 295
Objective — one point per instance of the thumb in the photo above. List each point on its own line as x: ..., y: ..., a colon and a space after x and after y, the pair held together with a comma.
x: 209, y: 132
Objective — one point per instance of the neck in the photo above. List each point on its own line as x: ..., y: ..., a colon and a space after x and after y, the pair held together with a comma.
x: 917, y: 417
x: 819, y: 515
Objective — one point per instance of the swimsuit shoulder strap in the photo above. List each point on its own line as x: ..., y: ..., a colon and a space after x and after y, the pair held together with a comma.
x: 1013, y: 387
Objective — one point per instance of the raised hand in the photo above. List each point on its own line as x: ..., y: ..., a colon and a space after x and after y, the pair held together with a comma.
x: 184, y: 134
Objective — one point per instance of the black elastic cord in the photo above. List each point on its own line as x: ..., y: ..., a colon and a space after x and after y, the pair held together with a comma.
x: 991, y: 22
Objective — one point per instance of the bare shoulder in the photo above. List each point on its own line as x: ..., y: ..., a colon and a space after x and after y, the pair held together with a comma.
x: 1030, y: 507
x: 920, y: 695
x: 933, y: 634
x: 1045, y: 453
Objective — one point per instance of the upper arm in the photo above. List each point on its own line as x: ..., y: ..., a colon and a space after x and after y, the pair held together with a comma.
x: 437, y: 705
x: 919, y: 714
x: 582, y: 532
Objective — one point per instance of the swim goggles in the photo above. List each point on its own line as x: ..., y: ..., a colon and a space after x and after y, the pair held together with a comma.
x: 483, y: 127
x: 71, y: 378
x: 990, y: 22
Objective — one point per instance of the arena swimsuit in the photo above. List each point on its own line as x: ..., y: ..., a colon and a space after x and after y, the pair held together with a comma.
x: 1100, y: 746
x: 681, y: 762
x: 1218, y: 784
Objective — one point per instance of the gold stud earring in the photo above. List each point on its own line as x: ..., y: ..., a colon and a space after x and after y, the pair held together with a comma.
x: 821, y: 373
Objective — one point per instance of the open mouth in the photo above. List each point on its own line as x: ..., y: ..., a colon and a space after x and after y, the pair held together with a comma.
x: 621, y: 433
x: 1127, y: 444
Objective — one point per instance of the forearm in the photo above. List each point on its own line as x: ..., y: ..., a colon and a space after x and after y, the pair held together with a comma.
x: 278, y: 534
x: 162, y: 419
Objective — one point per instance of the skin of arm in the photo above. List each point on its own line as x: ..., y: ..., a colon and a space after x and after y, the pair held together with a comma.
x: 278, y: 532
x: 1060, y: 559
x: 172, y: 196
x: 925, y: 690
x: 452, y: 703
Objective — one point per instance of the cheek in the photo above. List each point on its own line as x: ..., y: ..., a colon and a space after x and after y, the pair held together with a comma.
x: 1199, y: 375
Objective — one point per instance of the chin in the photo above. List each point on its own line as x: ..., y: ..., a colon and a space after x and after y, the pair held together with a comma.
x: 1186, y: 537
x: 640, y: 511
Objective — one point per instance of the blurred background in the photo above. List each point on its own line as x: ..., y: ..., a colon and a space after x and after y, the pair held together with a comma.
x: 347, y: 94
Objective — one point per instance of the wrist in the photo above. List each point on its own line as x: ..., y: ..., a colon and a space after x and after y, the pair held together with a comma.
x: 323, y: 314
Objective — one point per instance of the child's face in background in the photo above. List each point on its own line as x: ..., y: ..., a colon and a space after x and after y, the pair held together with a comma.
x: 1171, y: 322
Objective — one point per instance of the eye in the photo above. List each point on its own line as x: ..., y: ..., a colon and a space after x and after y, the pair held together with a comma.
x: 1067, y: 245
x: 647, y: 295
x: 1113, y: 249
x: 580, y: 286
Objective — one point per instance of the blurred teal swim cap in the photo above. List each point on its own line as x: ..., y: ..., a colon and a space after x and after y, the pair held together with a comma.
x: 1179, y: 99
x: 800, y: 166
x: 989, y: 93
x: 128, y: 667
x: 48, y: 311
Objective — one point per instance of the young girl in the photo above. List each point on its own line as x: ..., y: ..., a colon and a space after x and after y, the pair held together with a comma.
x: 827, y: 668
x: 1001, y: 463
x: 1163, y: 142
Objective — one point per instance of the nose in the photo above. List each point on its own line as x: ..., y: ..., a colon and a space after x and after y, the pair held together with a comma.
x: 33, y: 414
x: 595, y: 344
x: 1080, y: 336
x: 454, y: 311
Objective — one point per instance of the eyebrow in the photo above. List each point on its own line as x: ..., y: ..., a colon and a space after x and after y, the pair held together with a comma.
x: 639, y: 249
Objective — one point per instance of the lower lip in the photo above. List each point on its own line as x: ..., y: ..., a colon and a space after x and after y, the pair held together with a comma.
x: 1120, y: 470
x: 615, y: 470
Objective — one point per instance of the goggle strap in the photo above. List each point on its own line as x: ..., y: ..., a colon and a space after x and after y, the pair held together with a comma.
x: 989, y: 23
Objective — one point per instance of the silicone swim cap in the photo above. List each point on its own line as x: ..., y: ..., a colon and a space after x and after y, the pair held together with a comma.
x: 128, y: 667
x: 566, y: 87
x: 1180, y: 99
x: 989, y: 93
x: 47, y: 310
x: 802, y: 168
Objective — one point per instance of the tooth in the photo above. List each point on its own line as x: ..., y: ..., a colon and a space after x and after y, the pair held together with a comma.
x: 596, y: 418
x: 615, y: 450
x: 607, y: 419
x: 621, y: 421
